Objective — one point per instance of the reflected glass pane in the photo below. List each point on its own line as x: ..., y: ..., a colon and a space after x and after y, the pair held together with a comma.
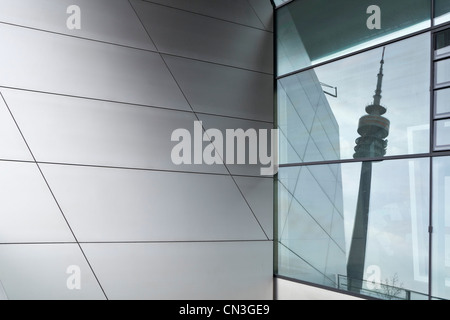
x: 322, y: 112
x: 441, y: 228
x: 346, y: 26
x: 442, y: 72
x: 442, y: 11
x: 325, y: 239
x: 442, y: 101
x: 442, y: 128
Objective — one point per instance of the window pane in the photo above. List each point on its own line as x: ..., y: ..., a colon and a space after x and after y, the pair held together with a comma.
x: 319, y: 226
x: 280, y: 2
x: 323, y: 111
x: 442, y: 71
x: 442, y: 134
x: 441, y: 225
x: 442, y: 98
x: 312, y: 31
x: 442, y: 11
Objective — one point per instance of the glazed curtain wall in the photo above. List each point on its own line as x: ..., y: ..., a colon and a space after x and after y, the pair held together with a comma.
x: 88, y: 188
x: 362, y: 186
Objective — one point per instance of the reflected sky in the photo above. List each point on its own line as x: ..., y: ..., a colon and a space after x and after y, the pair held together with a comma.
x: 344, y: 26
x: 441, y: 221
x: 398, y: 239
x: 374, y: 42
x: 405, y: 94
x: 398, y: 218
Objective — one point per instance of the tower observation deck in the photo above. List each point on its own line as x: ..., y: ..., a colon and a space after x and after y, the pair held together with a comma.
x: 373, y: 127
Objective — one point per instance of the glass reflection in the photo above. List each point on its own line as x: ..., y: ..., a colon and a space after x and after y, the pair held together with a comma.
x: 442, y: 72
x: 442, y: 43
x: 319, y: 226
x: 345, y: 26
x: 441, y: 227
x: 442, y: 11
x: 442, y: 134
x: 442, y: 102
x: 320, y: 126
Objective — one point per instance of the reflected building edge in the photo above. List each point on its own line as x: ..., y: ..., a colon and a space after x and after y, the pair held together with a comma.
x: 311, y: 231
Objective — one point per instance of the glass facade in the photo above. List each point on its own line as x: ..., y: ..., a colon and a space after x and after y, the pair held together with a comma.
x: 330, y: 121
x: 363, y: 145
x: 442, y: 102
x: 441, y: 90
x: 441, y: 234
x: 344, y: 25
x: 442, y: 11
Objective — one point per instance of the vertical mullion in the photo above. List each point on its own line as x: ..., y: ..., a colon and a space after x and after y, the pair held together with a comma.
x: 430, y: 234
x: 432, y: 147
x: 433, y: 12
x: 275, y: 122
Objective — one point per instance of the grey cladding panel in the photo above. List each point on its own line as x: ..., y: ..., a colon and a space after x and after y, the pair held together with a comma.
x: 81, y: 131
x: 130, y: 205
x: 39, y: 272
x: 103, y: 20
x: 193, y: 271
x: 224, y: 90
x: 238, y: 11
x: 190, y: 35
x: 47, y: 62
x: 28, y: 212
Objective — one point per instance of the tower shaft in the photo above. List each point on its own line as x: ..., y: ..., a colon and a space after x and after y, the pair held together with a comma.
x: 357, y: 256
x: 373, y: 129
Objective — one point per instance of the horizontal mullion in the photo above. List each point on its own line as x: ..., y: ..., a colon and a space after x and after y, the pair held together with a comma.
x: 325, y: 162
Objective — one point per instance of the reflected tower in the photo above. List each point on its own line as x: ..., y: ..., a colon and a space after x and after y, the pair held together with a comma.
x: 373, y: 130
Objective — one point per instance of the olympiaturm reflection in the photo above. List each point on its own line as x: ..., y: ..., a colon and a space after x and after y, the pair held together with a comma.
x: 374, y: 129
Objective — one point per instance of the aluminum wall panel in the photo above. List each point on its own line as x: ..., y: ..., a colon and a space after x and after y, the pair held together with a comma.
x: 111, y: 21
x: 193, y: 36
x: 128, y: 205
x: 221, y: 90
x: 262, y: 206
x: 223, y: 124
x: 12, y: 145
x: 193, y: 271
x: 81, y: 131
x: 265, y: 12
x: 28, y: 212
x: 53, y: 63
x: 237, y: 11
x: 39, y: 272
